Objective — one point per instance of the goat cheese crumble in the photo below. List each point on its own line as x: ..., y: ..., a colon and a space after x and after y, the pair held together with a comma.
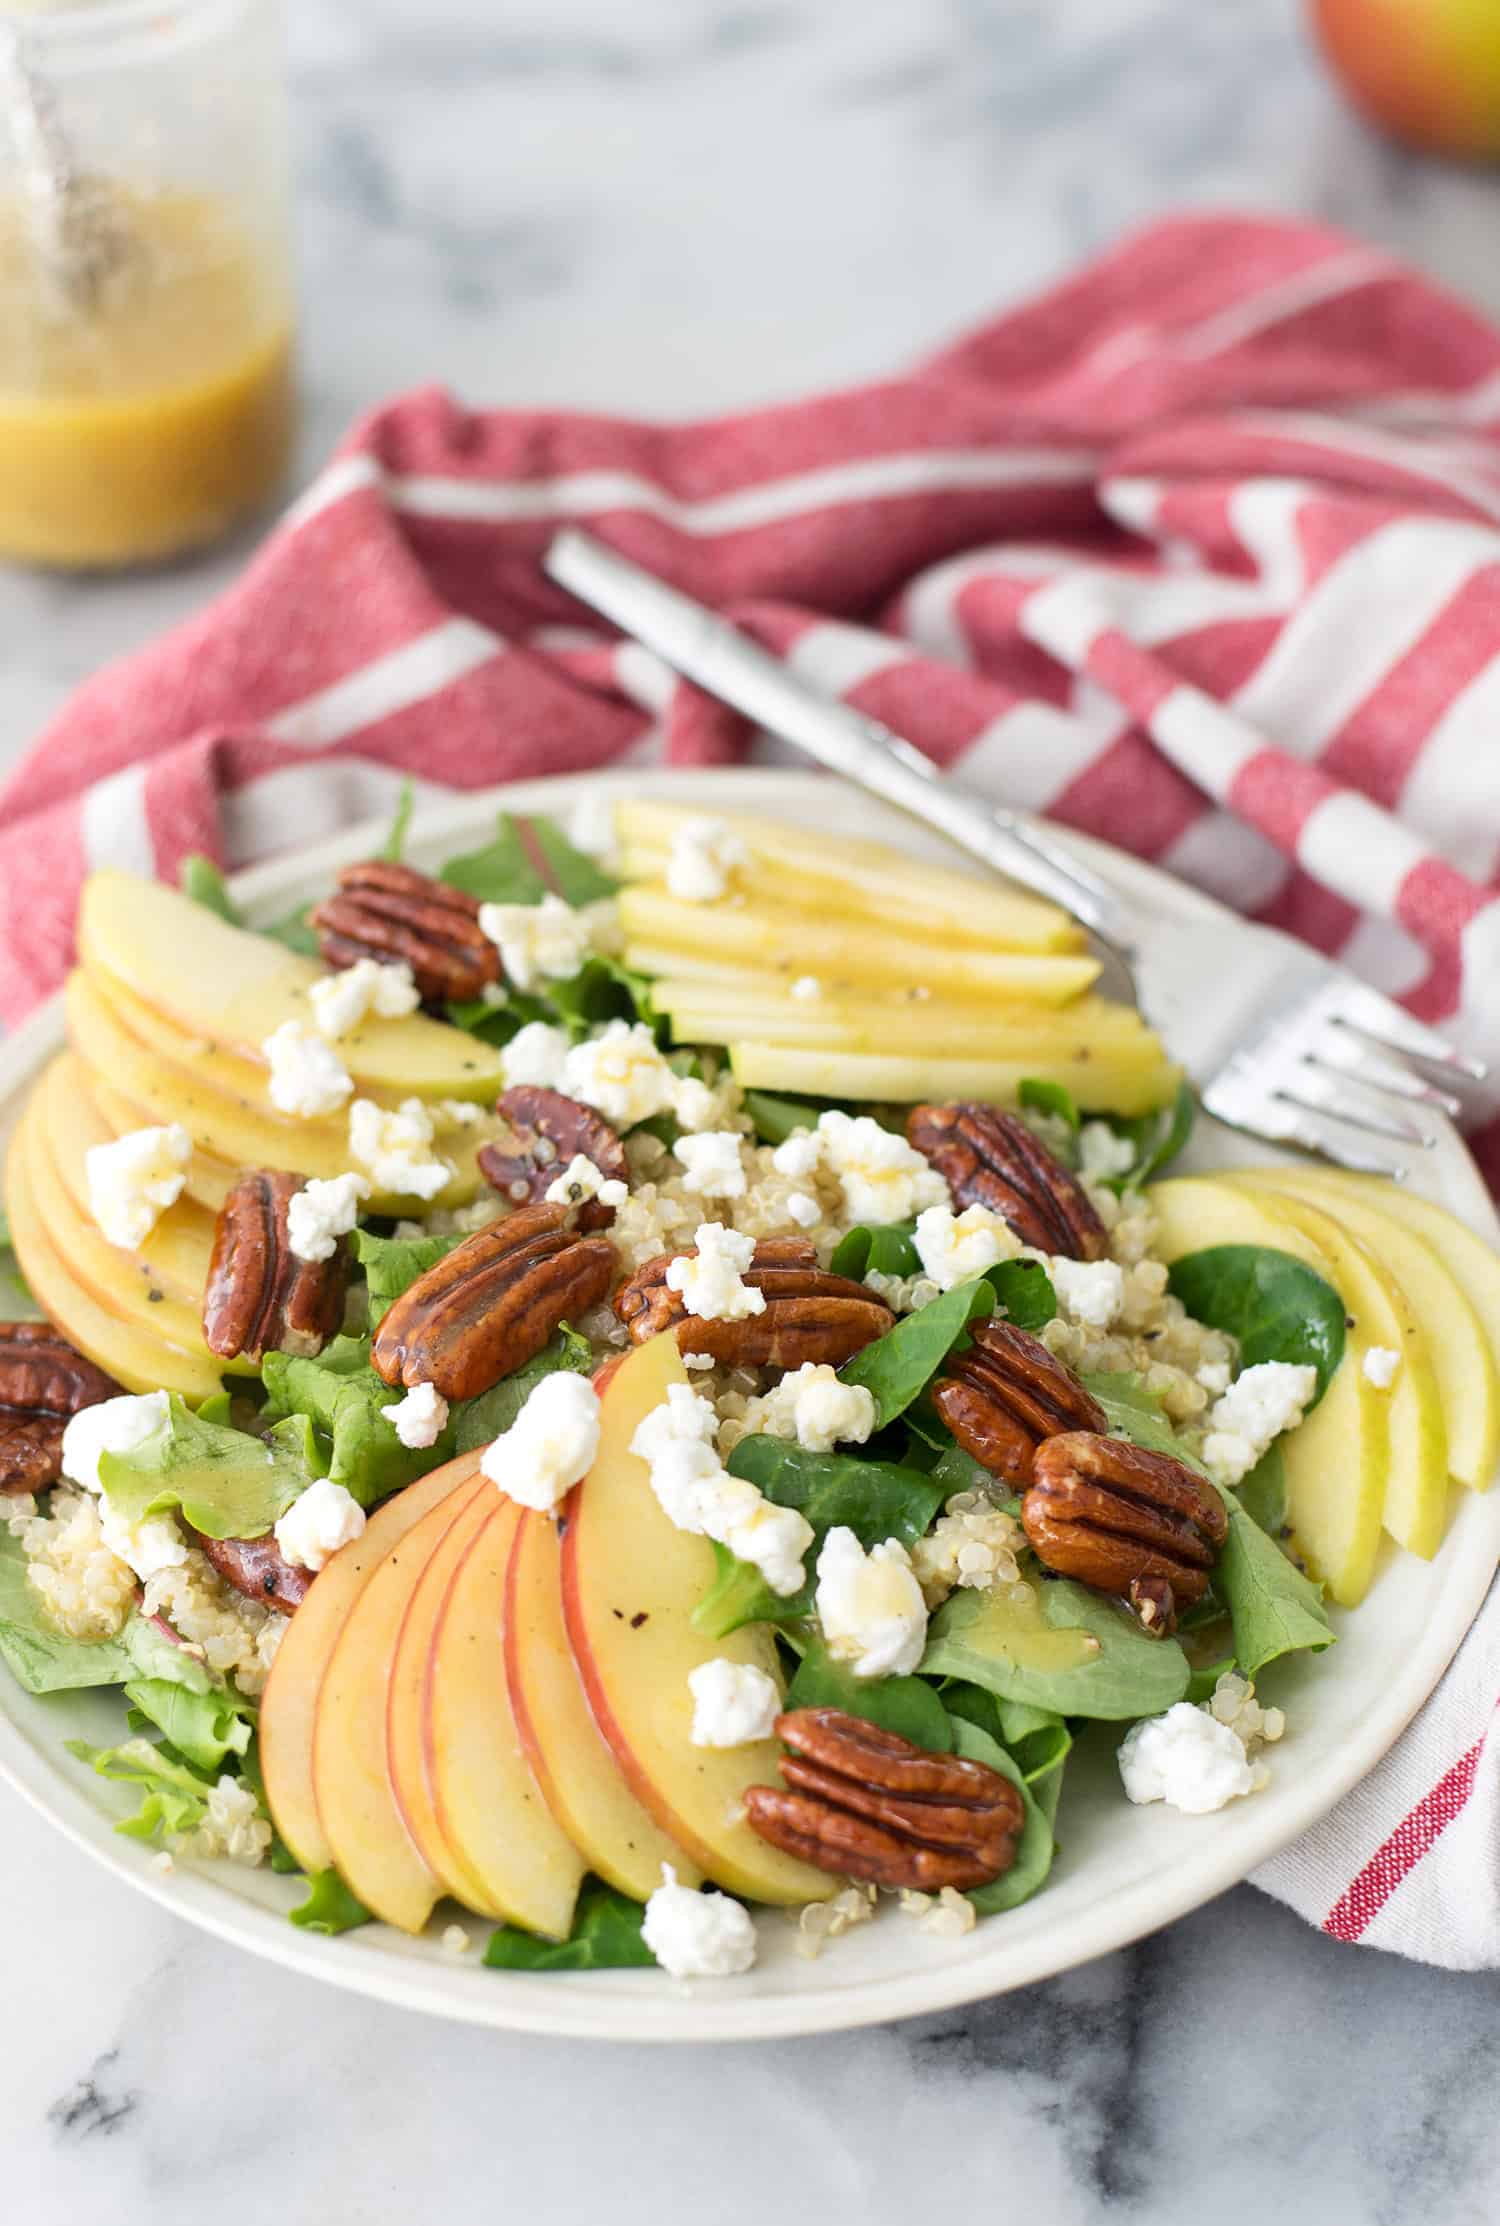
x: 340, y: 1001
x: 1380, y: 1365
x: 882, y: 1178
x: 135, y: 1179
x: 419, y: 1419
x: 318, y: 1522
x: 870, y: 1605
x: 813, y: 1406
x: 704, y: 857
x: 734, y: 1703
x: 697, y: 1936
x: 111, y: 1426
x: 804, y: 1210
x: 534, y: 1056
x: 395, y: 1149
x: 581, y: 1180
x: 713, y: 1164
x: 1091, y: 1292
x: 1186, y: 1758
x: 1260, y: 1403
x: 799, y: 1155
x: 321, y: 1212
x: 551, y: 1444
x: 621, y: 1073
x: 711, y: 1278
x: 953, y: 1248
x: 308, y: 1078
x: 1102, y: 1155
x: 537, y: 942
x: 697, y: 1494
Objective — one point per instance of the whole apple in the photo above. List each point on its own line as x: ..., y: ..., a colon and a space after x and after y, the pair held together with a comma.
x: 1426, y: 70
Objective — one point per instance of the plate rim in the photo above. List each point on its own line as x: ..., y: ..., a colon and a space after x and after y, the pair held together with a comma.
x: 569, y: 2006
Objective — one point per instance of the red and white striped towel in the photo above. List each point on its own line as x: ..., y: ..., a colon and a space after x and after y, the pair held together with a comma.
x: 1199, y: 552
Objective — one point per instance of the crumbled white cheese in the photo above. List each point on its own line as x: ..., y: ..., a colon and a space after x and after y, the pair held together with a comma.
x: 148, y: 1546
x: 551, y: 1444
x: 340, y: 1001
x: 1186, y: 1758
x: 697, y: 1493
x: 320, y: 1213
x: 695, y: 1106
x: 621, y: 1073
x: 458, y: 1113
x: 537, y: 942
x: 954, y: 1248
x: 1260, y: 1403
x: 697, y: 1936
x: 112, y: 1426
x: 704, y: 857
x: 804, y: 1210
x: 1380, y: 1365
x: 308, y: 1078
x: 419, y: 1419
x: 395, y: 1149
x: 318, y: 1522
x: 733, y: 1703
x: 870, y: 1605
x: 806, y: 988
x: 1090, y: 1292
x: 1103, y: 1156
x: 1214, y: 1377
x: 591, y: 829
x: 811, y: 1405
x: 534, y: 1056
x: 581, y: 1180
x: 883, y: 1179
x: 711, y: 1278
x: 799, y: 1155
x: 713, y: 1164
x: 133, y: 1181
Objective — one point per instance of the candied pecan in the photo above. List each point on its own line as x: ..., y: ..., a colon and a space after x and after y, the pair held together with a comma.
x: 490, y: 1305
x: 1141, y: 1525
x: 43, y: 1381
x: 1005, y: 1394
x: 865, y: 1803
x: 391, y: 912
x: 257, y: 1567
x: 260, y: 1297
x: 809, y: 1314
x: 550, y: 1131
x: 990, y: 1158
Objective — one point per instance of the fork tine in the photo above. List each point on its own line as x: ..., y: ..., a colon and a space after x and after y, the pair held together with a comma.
x: 1368, y: 1014
x: 1372, y: 1072
x: 1279, y: 1120
x: 1374, y: 1124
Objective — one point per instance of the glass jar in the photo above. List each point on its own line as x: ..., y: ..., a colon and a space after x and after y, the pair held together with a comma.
x: 146, y: 413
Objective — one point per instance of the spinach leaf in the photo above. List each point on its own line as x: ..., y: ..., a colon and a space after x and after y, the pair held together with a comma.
x: 1036, y: 1847
x: 606, y: 1936
x: 173, y: 1798
x: 874, y: 1499
x: 297, y: 932
x: 776, y: 1118
x: 1038, y: 1738
x: 394, y: 846
x: 392, y: 1264
x: 1262, y: 1494
x: 203, y: 1728
x: 887, y: 1247
x: 1024, y: 1291
x: 897, y: 1366
x: 908, y: 1705
x: 330, y: 1906
x: 958, y: 1471
x: 1203, y: 1680
x: 1051, y: 1098
x: 503, y: 872
x: 1277, y: 1306
x: 577, y: 878
x: 1067, y: 1650
x: 602, y: 989
x: 201, y: 880
x: 479, y: 1421
x: 1157, y: 1137
x: 340, y: 1395
x: 227, y: 1483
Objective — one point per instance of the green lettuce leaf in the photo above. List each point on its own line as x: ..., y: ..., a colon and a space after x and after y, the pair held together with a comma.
x: 43, y: 1660
x: 577, y: 878
x: 480, y: 1421
x: 394, y: 846
x: 392, y: 1265
x: 606, y: 1936
x: 899, y: 1365
x: 205, y: 1729
x: 330, y: 1906
x: 1023, y: 1290
x: 174, y: 1798
x: 1274, y: 1304
x: 1053, y: 1099
x: 886, y: 1247
x: 907, y: 1705
x: 1038, y: 1738
x: 1037, y: 1845
x: 201, y: 880
x: 1028, y: 1656
x: 525, y: 859
x: 1157, y: 1138
x: 227, y: 1483
x: 340, y: 1395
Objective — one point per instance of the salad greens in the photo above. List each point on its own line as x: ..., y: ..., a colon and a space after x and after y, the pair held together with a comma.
x: 1067, y: 1650
x: 526, y: 860
x: 392, y: 1264
x: 200, y: 879
x: 1155, y: 1138
x: 906, y: 1705
x: 174, y: 1797
x: 1023, y: 1293
x: 344, y: 1401
x: 887, y: 1248
x: 1037, y: 1846
x: 903, y: 1362
x: 330, y: 1906
x: 204, y: 1728
x: 43, y: 1659
x: 1273, y: 1303
x: 479, y: 1420
x: 606, y: 1935
x: 225, y: 1482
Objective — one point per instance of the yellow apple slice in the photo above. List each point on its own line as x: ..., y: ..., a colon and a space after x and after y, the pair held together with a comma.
x: 1014, y: 978
x: 1337, y: 1461
x: 1467, y: 1378
x: 227, y: 986
x: 579, y: 1777
x: 631, y: 1581
x: 1105, y: 1081
x: 489, y: 1806
x: 406, y: 1702
x: 700, y: 1012
x: 288, y: 1708
x: 1416, y: 1490
x: 175, y: 1256
x: 210, y: 1179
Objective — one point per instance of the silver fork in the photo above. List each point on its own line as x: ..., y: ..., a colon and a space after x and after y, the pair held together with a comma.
x: 1297, y: 1050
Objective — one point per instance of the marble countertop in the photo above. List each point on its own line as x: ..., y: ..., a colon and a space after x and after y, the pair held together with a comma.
x: 680, y: 206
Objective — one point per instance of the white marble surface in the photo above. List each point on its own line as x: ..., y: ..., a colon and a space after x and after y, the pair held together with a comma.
x: 677, y: 206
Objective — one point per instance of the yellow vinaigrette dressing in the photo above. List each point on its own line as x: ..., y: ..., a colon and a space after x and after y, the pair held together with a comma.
x: 1012, y: 1624
x: 151, y: 424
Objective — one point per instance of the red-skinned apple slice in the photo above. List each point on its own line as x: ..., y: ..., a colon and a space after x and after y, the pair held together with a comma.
x: 630, y: 1583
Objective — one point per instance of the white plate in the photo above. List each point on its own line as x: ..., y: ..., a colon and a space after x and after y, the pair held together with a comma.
x: 1121, y: 1871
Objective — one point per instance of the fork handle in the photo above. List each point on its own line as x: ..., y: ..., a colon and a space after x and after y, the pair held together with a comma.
x: 728, y: 664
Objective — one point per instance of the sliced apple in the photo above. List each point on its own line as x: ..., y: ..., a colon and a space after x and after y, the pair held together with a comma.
x: 1338, y: 1460
x: 1016, y: 978
x: 489, y: 1806
x: 209, y: 1179
x: 700, y: 1012
x: 289, y: 1706
x: 406, y: 1705
x: 579, y: 1777
x: 230, y: 987
x: 1102, y: 1082
x: 1462, y: 1360
x: 630, y: 1583
x: 175, y: 1256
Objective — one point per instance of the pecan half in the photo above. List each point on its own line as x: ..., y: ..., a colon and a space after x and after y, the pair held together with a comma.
x: 260, y: 1297
x: 809, y: 1314
x: 990, y: 1158
x: 1141, y: 1525
x: 257, y: 1567
x: 865, y: 1803
x: 550, y: 1130
x: 1007, y: 1393
x: 42, y: 1382
x: 390, y: 912
x: 490, y: 1305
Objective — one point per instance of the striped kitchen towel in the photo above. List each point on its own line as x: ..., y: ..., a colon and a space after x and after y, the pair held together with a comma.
x: 1236, y: 465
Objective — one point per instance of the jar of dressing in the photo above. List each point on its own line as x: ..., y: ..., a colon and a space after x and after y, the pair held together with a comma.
x: 146, y: 390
